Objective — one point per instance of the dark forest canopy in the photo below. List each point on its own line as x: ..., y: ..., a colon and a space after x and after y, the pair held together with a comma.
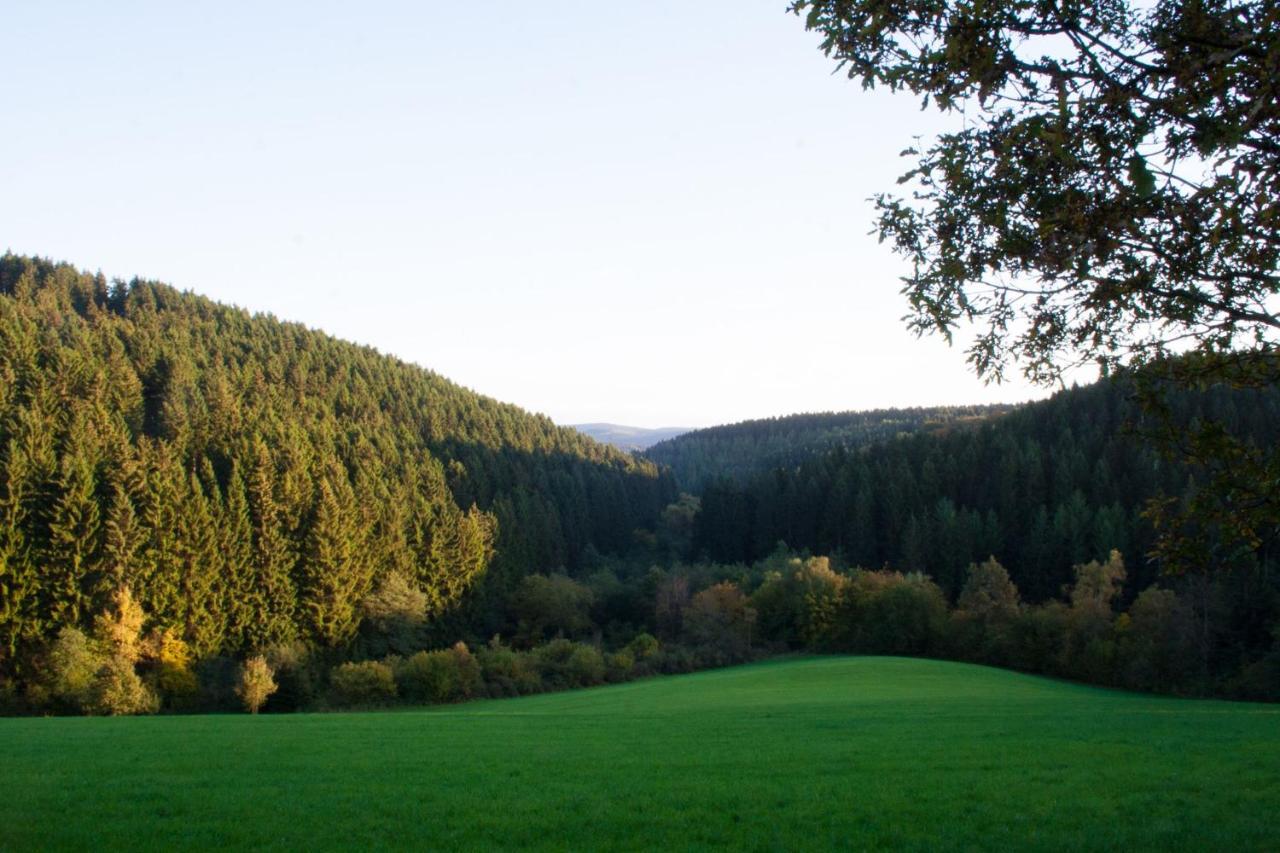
x: 742, y: 450
x: 252, y: 480
x: 1044, y: 487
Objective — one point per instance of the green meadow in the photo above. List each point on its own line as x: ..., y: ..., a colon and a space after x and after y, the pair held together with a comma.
x: 817, y: 753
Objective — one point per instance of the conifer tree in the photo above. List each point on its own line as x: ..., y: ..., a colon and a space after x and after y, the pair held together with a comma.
x: 74, y: 543
x: 124, y: 538
x: 242, y: 597
x: 204, y: 621
x: 335, y: 574
x: 273, y: 554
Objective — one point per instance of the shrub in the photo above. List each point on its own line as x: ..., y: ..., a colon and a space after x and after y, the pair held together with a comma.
x: 543, y: 606
x: 563, y: 663
x: 895, y: 614
x: 428, y: 677
x: 585, y: 666
x: 618, y: 665
x: 721, y: 619
x: 675, y: 659
x: 1038, y: 637
x: 72, y: 665
x: 118, y: 691
x: 170, y: 659
x: 643, y: 646
x: 217, y: 679
x: 297, y: 674
x: 470, y: 681
x: 366, y: 683
x: 507, y: 672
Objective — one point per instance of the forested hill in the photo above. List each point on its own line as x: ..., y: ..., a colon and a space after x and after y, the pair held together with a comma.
x: 742, y: 450
x: 252, y: 480
x: 1045, y: 487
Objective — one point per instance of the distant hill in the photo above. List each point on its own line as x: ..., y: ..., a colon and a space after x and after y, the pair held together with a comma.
x: 742, y: 450
x: 1045, y: 487
x: 629, y: 437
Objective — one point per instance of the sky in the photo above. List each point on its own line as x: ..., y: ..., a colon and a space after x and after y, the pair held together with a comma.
x: 651, y: 213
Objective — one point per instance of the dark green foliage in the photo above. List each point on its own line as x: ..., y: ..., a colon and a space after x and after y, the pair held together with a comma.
x: 448, y: 675
x: 117, y: 690
x: 506, y: 671
x: 1110, y: 197
x: 255, y: 481
x: 742, y: 450
x: 544, y: 607
x: 69, y: 670
x: 562, y: 663
x: 1045, y: 487
x: 361, y: 684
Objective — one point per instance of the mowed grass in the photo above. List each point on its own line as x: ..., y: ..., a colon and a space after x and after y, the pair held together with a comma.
x: 817, y: 753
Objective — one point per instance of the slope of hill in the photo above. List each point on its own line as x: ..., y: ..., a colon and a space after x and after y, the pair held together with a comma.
x: 739, y: 451
x: 629, y: 437
x: 820, y: 754
x: 252, y: 480
x: 1049, y: 485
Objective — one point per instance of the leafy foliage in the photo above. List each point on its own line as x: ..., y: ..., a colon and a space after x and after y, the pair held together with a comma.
x: 1116, y: 185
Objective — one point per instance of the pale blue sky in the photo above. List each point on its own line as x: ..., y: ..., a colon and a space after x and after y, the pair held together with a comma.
x: 648, y: 213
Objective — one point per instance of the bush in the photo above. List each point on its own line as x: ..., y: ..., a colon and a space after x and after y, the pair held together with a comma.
x: 470, y: 681
x: 1038, y: 637
x: 118, y: 691
x: 619, y: 665
x: 170, y: 659
x: 585, y: 666
x: 896, y: 614
x: 720, y: 619
x: 428, y: 677
x: 366, y: 683
x: 550, y: 605
x: 217, y: 679
x: 563, y: 663
x: 643, y: 646
x: 298, y: 676
x: 71, y: 666
x: 507, y: 672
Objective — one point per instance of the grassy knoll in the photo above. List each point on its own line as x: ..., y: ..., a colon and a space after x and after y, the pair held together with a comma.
x: 817, y: 753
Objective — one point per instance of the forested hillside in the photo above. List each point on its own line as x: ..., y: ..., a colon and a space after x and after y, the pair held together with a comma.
x: 742, y: 450
x: 1044, y: 487
x: 251, y: 481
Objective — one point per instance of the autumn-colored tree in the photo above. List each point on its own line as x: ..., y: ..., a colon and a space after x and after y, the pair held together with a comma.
x: 256, y: 683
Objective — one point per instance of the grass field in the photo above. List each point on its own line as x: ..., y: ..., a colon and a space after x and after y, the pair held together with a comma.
x: 817, y: 753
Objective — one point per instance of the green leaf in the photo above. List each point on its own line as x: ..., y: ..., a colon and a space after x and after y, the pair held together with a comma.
x: 1140, y: 176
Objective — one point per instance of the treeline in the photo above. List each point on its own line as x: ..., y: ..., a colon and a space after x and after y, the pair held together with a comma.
x: 1196, y: 635
x: 253, y: 482
x: 740, y: 451
x: 1046, y: 487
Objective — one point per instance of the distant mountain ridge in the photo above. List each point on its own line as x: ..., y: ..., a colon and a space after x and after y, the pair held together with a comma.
x: 629, y: 437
